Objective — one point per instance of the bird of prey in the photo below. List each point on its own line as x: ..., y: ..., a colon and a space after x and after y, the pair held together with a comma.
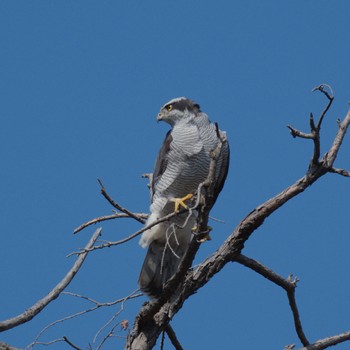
x: 182, y: 165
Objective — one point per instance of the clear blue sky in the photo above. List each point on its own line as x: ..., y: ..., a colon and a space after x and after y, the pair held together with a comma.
x: 81, y: 83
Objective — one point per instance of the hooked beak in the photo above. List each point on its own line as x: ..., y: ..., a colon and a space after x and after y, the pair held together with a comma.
x: 160, y: 116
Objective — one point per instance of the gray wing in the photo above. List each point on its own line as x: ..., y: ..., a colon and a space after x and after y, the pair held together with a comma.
x: 223, y: 167
x: 161, y: 162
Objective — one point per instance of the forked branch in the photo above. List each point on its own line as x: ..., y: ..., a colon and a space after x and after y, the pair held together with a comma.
x: 288, y: 284
x: 315, y: 128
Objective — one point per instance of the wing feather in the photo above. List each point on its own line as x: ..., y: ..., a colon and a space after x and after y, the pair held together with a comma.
x: 162, y: 161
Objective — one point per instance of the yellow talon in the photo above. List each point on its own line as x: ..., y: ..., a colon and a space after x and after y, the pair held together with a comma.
x: 181, y: 202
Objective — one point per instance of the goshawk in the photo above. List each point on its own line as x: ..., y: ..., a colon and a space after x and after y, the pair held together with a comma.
x: 182, y: 165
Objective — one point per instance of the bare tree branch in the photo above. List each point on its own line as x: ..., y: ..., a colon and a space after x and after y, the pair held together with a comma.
x: 341, y: 172
x: 297, y: 133
x: 126, y: 239
x: 118, y: 206
x: 54, y: 341
x: 96, y: 306
x: 41, y: 304
x: 288, y: 285
x: 108, y: 217
x: 330, y: 157
x: 328, y: 342
x: 71, y: 344
x: 330, y: 97
x: 173, y: 338
x: 315, y: 129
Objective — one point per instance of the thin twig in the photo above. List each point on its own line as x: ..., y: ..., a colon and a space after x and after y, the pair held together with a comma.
x: 54, y: 341
x: 315, y: 129
x: 126, y: 239
x: 108, y: 217
x: 122, y: 302
x: 71, y: 344
x: 330, y: 98
x: 118, y: 206
x: 83, y: 312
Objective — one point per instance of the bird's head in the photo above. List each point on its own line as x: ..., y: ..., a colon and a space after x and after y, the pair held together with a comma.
x: 178, y: 109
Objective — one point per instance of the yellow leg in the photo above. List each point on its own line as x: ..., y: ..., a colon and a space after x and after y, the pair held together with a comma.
x: 181, y: 201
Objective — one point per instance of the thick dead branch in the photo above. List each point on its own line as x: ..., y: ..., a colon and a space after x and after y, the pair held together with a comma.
x: 41, y: 304
x: 328, y: 342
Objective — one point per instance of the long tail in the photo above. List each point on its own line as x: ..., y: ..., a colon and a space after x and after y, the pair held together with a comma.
x: 159, y: 266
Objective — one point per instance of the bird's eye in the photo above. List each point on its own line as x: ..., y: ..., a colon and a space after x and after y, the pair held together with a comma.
x: 169, y: 107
